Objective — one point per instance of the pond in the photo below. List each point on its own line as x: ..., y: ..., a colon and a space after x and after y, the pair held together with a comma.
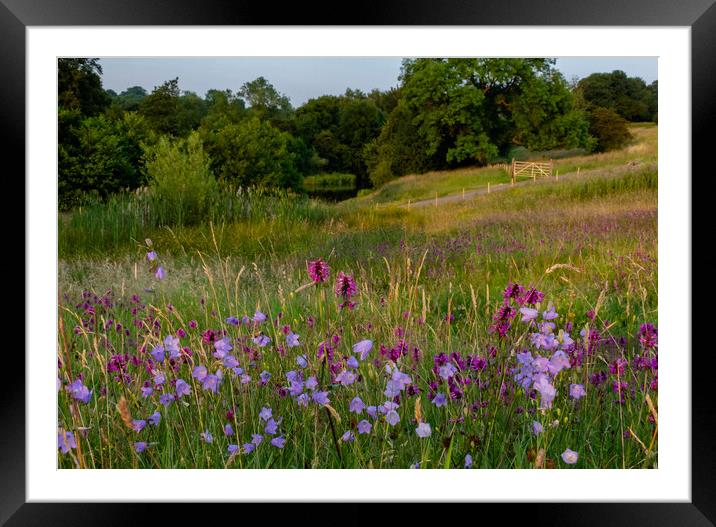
x: 332, y: 194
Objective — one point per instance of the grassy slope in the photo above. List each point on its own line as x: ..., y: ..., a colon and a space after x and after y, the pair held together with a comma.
x: 426, y: 186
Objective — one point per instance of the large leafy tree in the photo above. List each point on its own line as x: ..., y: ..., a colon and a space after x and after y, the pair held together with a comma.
x: 546, y: 115
x: 254, y: 153
x: 338, y: 128
x: 265, y: 102
x: 161, y: 107
x: 222, y: 107
x: 191, y: 110
x: 398, y: 150
x: 101, y: 157
x: 472, y: 110
x: 630, y: 97
x: 459, y: 111
x: 608, y: 128
x: 130, y: 99
x: 79, y: 86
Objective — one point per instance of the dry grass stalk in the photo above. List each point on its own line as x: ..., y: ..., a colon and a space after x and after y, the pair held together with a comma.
x: 333, y: 412
x: 124, y: 413
x: 418, y: 411
x: 652, y: 409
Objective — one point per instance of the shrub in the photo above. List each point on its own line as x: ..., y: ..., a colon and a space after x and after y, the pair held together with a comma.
x: 180, y: 179
x: 608, y: 128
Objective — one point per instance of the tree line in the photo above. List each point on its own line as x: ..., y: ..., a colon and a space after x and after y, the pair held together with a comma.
x: 444, y: 113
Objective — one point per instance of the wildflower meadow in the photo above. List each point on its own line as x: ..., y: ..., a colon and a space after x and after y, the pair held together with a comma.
x: 517, y: 329
x: 360, y: 281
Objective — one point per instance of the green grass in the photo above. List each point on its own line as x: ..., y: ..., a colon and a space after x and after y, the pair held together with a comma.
x: 430, y: 184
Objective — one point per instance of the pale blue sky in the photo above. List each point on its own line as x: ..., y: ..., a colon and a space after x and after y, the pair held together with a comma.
x: 303, y: 78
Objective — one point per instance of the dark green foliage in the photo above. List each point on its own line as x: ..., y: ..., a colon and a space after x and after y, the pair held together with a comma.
x: 192, y: 109
x: 608, y: 128
x: 160, y: 108
x: 653, y: 101
x: 546, y: 117
x: 265, y: 102
x: 630, y: 97
x: 386, y: 100
x: 222, y: 108
x: 338, y: 128
x: 254, y: 153
x: 399, y: 149
x: 79, y: 86
x: 98, y: 156
x: 130, y: 98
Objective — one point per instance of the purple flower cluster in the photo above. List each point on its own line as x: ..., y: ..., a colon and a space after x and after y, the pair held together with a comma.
x: 79, y: 391
x: 318, y: 271
x: 538, y: 373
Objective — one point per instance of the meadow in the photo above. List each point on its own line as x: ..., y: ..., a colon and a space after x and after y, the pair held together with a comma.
x: 516, y: 329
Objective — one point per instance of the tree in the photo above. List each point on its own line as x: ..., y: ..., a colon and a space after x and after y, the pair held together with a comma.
x: 160, y: 108
x: 191, y: 109
x: 222, y: 108
x: 546, y: 116
x: 398, y: 150
x: 359, y: 122
x: 254, y: 153
x: 630, y: 97
x: 265, y: 102
x: 315, y: 116
x: 609, y: 128
x: 653, y: 100
x: 100, y: 156
x: 79, y: 86
x: 130, y: 99
x: 468, y: 111
x: 338, y: 128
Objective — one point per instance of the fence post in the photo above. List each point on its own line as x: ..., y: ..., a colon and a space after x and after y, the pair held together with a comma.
x: 488, y: 187
x: 436, y: 198
x: 513, y: 171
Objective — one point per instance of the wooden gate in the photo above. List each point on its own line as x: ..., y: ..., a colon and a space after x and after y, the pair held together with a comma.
x: 531, y: 169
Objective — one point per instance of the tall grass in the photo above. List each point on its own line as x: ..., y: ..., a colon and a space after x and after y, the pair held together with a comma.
x: 115, y: 226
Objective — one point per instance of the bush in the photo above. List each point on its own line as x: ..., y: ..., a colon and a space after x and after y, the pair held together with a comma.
x: 98, y: 156
x: 254, y: 153
x: 180, y: 180
x: 608, y: 128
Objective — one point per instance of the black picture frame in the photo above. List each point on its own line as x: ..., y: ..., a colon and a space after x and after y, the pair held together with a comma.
x: 699, y: 15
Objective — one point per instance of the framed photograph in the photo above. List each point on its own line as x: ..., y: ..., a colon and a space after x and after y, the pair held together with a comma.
x: 445, y: 278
